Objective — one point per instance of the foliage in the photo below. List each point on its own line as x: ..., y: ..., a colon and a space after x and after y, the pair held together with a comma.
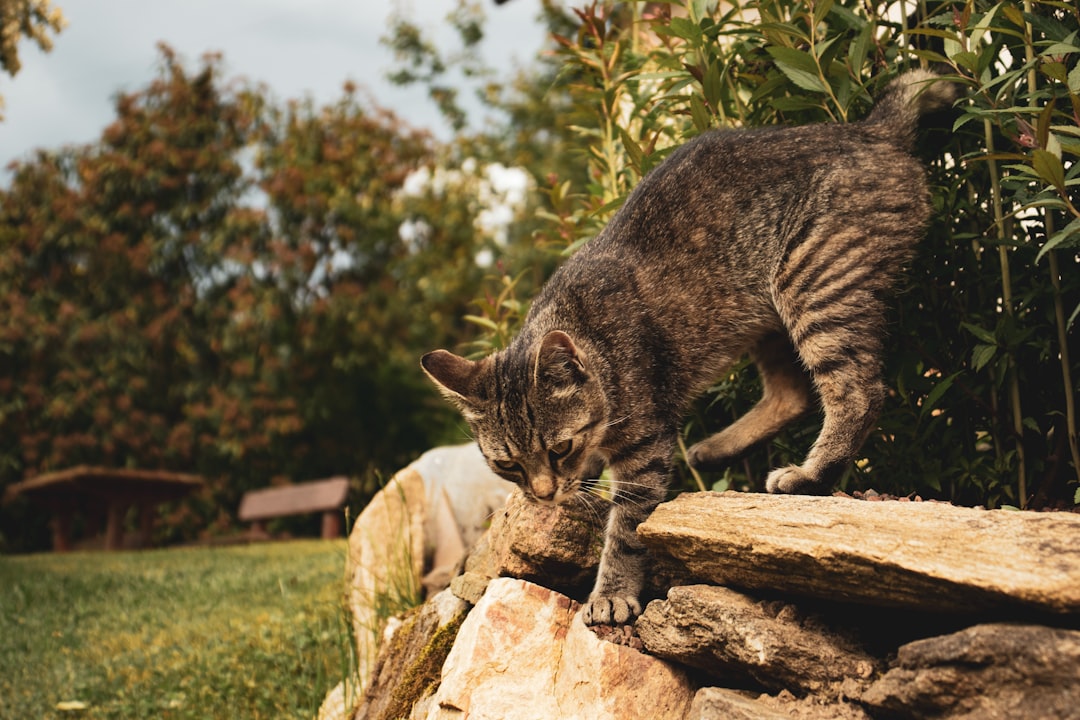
x: 980, y: 367
x: 242, y: 632
x: 219, y: 286
x: 34, y: 19
x: 421, y: 62
x: 532, y: 127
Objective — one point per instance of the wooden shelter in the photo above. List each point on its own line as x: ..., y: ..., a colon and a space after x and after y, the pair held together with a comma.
x: 108, y: 492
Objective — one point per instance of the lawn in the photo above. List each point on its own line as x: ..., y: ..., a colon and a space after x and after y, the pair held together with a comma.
x: 240, y: 632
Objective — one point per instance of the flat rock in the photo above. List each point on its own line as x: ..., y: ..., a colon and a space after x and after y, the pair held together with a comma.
x: 736, y: 637
x: 524, y: 653
x: 995, y: 670
x: 712, y: 703
x: 927, y: 556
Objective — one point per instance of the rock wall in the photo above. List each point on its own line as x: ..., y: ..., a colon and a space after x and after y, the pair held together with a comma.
x: 767, y: 607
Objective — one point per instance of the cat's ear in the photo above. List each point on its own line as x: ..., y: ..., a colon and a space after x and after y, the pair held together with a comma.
x: 455, y: 376
x: 559, y: 361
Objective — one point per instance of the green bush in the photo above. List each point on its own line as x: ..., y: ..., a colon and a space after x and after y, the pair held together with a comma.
x: 982, y: 377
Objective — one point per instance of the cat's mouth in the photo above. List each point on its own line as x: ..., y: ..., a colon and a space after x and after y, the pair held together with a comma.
x: 552, y: 491
x: 548, y: 490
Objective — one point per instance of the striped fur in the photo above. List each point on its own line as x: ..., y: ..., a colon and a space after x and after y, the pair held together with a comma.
x: 782, y: 243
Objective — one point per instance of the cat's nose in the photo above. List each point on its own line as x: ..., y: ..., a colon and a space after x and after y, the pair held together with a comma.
x: 543, y: 487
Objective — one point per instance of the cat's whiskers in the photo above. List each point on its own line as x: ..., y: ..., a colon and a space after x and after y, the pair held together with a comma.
x: 595, y: 487
x: 466, y: 434
x: 586, y: 499
x: 618, y: 421
x: 626, y: 492
x: 513, y: 516
x: 491, y: 515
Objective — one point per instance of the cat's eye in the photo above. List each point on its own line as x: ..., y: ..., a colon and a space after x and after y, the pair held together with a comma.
x: 561, y: 448
x: 510, y: 466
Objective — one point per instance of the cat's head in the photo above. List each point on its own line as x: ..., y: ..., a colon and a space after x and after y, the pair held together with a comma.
x: 537, y: 412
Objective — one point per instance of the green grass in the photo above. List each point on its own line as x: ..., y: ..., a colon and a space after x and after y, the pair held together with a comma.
x: 238, y: 632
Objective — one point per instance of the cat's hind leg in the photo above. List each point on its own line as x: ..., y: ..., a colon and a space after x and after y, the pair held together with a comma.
x: 834, y: 313
x: 786, y: 395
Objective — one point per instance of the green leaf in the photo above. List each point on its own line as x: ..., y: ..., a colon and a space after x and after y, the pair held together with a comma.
x: 699, y: 9
x: 773, y: 84
x: 981, y: 333
x: 1053, y: 145
x: 1049, y: 26
x: 964, y: 120
x: 481, y: 321
x: 858, y: 50
x: 952, y: 46
x: 1074, y: 80
x: 799, y: 67
x: 982, y: 355
x: 633, y: 150
x: 983, y: 26
x: 1076, y: 497
x: 966, y: 59
x: 700, y: 114
x: 1049, y: 168
x: 1055, y: 70
x: 821, y: 9
x: 684, y: 28
x: 930, y: 32
x: 783, y: 34
x: 1067, y: 237
x: 712, y: 84
x: 1012, y: 14
x: 1059, y: 48
x: 935, y: 394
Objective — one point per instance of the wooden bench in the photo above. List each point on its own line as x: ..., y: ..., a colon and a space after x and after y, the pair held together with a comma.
x: 325, y: 496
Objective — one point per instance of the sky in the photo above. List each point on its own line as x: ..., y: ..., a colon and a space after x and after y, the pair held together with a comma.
x: 298, y: 48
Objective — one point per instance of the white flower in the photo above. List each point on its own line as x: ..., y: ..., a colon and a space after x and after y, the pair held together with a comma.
x: 416, y: 182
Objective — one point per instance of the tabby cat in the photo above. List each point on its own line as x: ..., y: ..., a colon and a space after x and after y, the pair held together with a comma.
x: 777, y: 242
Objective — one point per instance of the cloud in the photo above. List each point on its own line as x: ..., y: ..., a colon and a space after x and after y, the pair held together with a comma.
x: 298, y: 48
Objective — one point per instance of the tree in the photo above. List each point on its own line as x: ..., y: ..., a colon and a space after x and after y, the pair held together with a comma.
x: 219, y: 286
x: 34, y: 19
x: 105, y: 249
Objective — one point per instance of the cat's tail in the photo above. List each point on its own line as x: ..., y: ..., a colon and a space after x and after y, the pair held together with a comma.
x: 906, y: 99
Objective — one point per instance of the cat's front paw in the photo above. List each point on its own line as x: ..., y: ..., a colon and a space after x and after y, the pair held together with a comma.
x: 610, y: 610
x: 793, y: 480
